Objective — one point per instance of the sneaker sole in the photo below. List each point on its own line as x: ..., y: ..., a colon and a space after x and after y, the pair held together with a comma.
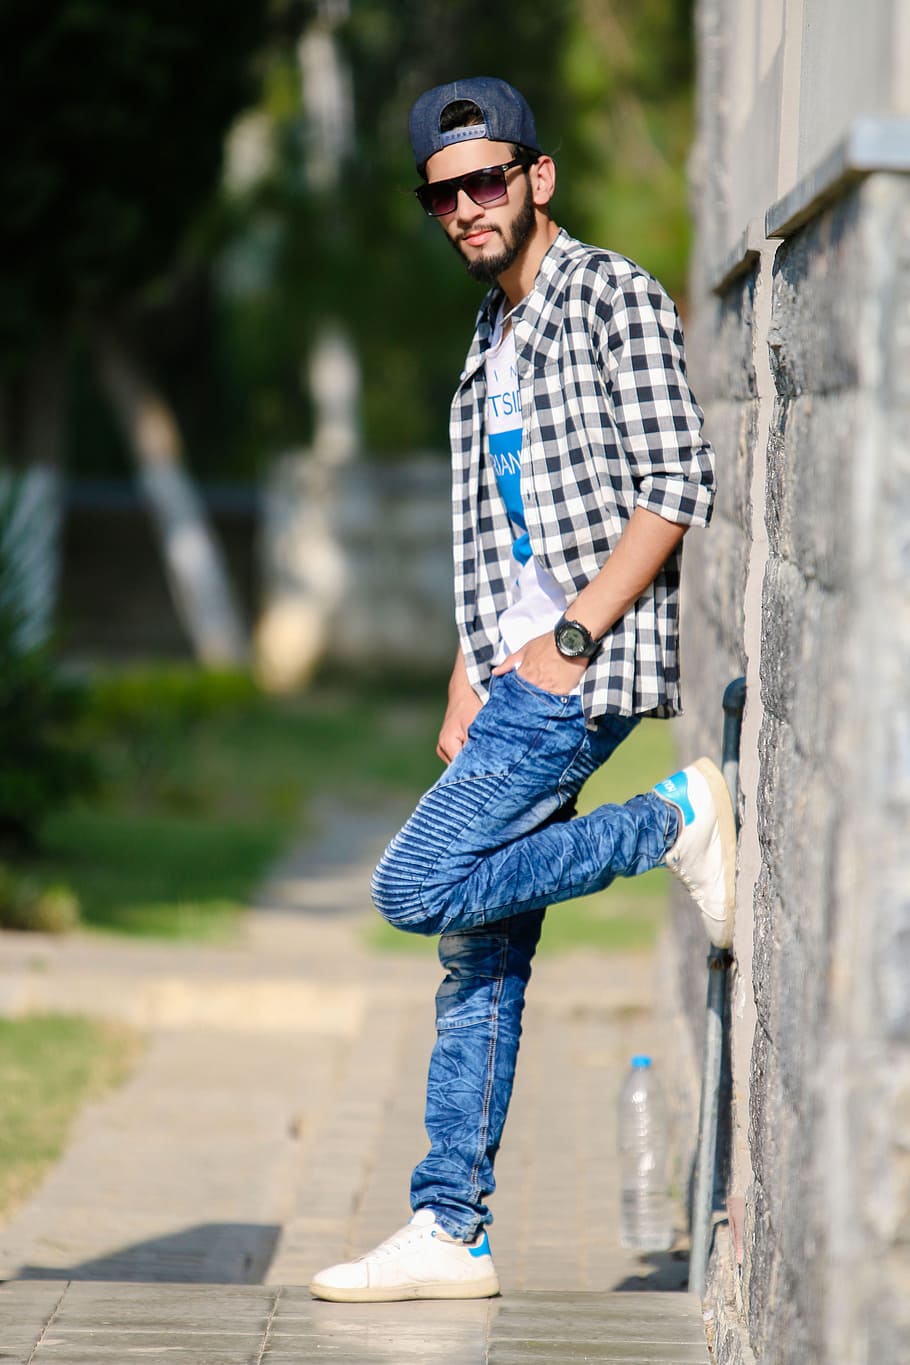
x: 471, y: 1289
x: 722, y: 934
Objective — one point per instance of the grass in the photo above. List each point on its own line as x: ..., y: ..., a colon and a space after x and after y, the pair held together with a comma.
x: 50, y: 1065
x: 206, y: 781
x: 157, y: 874
x: 629, y: 914
x: 198, y: 799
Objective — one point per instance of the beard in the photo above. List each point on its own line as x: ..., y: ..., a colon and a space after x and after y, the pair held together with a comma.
x: 487, y: 269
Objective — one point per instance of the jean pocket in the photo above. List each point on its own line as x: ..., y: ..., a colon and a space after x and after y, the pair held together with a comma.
x: 560, y: 701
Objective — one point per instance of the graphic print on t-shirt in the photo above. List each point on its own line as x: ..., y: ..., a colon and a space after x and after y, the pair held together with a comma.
x: 503, y: 429
x: 536, y: 601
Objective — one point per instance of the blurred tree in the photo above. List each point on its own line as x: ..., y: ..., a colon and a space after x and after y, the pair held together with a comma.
x: 112, y: 119
x: 610, y: 84
x: 628, y: 73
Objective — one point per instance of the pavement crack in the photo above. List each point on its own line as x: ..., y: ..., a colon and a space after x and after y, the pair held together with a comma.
x: 48, y: 1324
x: 268, y: 1326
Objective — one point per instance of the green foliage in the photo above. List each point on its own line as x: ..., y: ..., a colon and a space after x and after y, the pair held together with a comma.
x: 140, y: 717
x: 43, y: 763
x: 27, y: 904
x: 114, y: 118
x: 628, y: 71
x: 50, y: 1065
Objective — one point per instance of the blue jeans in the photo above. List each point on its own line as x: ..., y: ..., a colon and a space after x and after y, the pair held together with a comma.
x: 488, y: 848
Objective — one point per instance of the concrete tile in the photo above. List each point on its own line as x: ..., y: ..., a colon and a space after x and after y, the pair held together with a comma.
x: 684, y: 1310
x: 558, y: 1352
x: 158, y: 1353
x: 312, y: 1353
x: 136, y: 1306
x: 25, y: 1310
x: 135, y: 1341
x: 418, y: 1331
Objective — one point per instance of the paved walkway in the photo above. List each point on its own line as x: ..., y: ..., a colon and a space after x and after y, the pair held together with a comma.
x: 271, y: 1127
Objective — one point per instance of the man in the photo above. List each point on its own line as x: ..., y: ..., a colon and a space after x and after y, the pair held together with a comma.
x: 578, y: 465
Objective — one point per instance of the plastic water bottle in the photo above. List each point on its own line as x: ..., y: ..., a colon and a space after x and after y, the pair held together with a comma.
x: 645, y: 1221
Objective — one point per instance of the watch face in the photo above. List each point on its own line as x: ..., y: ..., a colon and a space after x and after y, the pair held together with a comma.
x: 572, y: 640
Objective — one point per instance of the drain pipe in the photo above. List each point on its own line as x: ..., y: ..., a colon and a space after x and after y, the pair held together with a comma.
x: 719, y: 961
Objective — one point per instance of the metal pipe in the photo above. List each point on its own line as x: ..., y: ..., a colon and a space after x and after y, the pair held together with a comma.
x: 719, y: 960
x: 734, y: 704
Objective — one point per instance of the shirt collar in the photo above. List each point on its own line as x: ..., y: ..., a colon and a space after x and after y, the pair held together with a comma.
x: 527, y: 313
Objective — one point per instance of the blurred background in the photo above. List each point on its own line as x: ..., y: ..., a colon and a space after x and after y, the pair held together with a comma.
x: 228, y: 340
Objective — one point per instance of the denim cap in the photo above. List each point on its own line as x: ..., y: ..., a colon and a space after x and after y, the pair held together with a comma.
x: 506, y: 115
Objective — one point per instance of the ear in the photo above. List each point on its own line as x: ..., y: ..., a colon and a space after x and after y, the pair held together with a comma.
x: 543, y: 180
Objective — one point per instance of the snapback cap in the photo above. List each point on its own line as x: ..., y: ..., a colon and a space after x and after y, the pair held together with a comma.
x: 506, y: 116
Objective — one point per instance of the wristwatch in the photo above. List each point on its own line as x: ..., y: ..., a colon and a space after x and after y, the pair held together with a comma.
x: 573, y: 640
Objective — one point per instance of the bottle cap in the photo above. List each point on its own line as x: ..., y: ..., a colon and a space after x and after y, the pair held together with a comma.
x: 641, y: 1060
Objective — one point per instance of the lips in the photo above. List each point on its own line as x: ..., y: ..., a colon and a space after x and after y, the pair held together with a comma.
x: 478, y: 236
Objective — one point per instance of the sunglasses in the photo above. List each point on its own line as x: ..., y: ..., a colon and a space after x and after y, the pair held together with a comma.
x: 482, y: 187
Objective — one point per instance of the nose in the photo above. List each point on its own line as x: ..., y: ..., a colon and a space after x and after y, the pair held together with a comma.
x: 465, y: 208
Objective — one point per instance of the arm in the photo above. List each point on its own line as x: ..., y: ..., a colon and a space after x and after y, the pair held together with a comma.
x: 638, y: 339
x: 462, y: 707
x: 640, y: 553
x: 643, y: 549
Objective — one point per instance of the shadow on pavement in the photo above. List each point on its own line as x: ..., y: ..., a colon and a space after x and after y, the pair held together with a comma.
x: 210, y: 1253
x: 669, y: 1273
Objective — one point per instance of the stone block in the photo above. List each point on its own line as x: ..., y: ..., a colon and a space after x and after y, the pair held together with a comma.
x: 815, y: 338
x: 721, y: 344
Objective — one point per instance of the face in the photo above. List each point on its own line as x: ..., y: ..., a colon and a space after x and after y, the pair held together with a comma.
x: 488, y: 238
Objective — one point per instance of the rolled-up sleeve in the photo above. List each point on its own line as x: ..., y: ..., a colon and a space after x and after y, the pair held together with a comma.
x: 659, y: 421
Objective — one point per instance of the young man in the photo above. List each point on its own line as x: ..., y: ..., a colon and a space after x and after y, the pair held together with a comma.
x: 578, y: 465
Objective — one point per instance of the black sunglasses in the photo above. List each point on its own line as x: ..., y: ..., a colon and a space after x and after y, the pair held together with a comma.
x: 482, y: 187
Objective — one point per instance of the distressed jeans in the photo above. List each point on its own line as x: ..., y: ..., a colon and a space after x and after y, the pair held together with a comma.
x: 488, y: 848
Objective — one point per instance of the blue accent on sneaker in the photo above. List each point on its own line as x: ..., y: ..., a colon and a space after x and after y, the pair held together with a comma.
x: 483, y: 1249
x: 676, y: 790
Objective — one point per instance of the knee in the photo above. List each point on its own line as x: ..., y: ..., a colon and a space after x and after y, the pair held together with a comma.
x: 397, y: 896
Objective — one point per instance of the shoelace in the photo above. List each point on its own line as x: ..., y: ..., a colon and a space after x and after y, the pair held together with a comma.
x: 686, y: 880
x: 392, y: 1244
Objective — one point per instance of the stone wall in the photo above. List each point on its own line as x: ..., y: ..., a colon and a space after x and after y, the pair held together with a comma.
x: 829, y: 1213
x: 800, y: 354
x: 717, y: 561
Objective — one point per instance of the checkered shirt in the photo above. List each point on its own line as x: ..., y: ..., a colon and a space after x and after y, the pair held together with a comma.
x: 609, y: 424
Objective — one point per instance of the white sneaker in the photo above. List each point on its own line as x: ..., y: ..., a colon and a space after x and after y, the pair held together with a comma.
x: 704, y: 855
x: 421, y: 1261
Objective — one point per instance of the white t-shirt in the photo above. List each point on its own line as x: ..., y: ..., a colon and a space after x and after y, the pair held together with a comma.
x: 536, y: 599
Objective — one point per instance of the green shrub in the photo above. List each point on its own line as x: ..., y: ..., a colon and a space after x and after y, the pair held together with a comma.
x: 26, y: 904
x: 42, y: 763
x: 140, y: 718
x: 181, y: 693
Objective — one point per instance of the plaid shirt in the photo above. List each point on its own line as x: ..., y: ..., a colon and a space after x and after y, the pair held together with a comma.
x: 608, y: 424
